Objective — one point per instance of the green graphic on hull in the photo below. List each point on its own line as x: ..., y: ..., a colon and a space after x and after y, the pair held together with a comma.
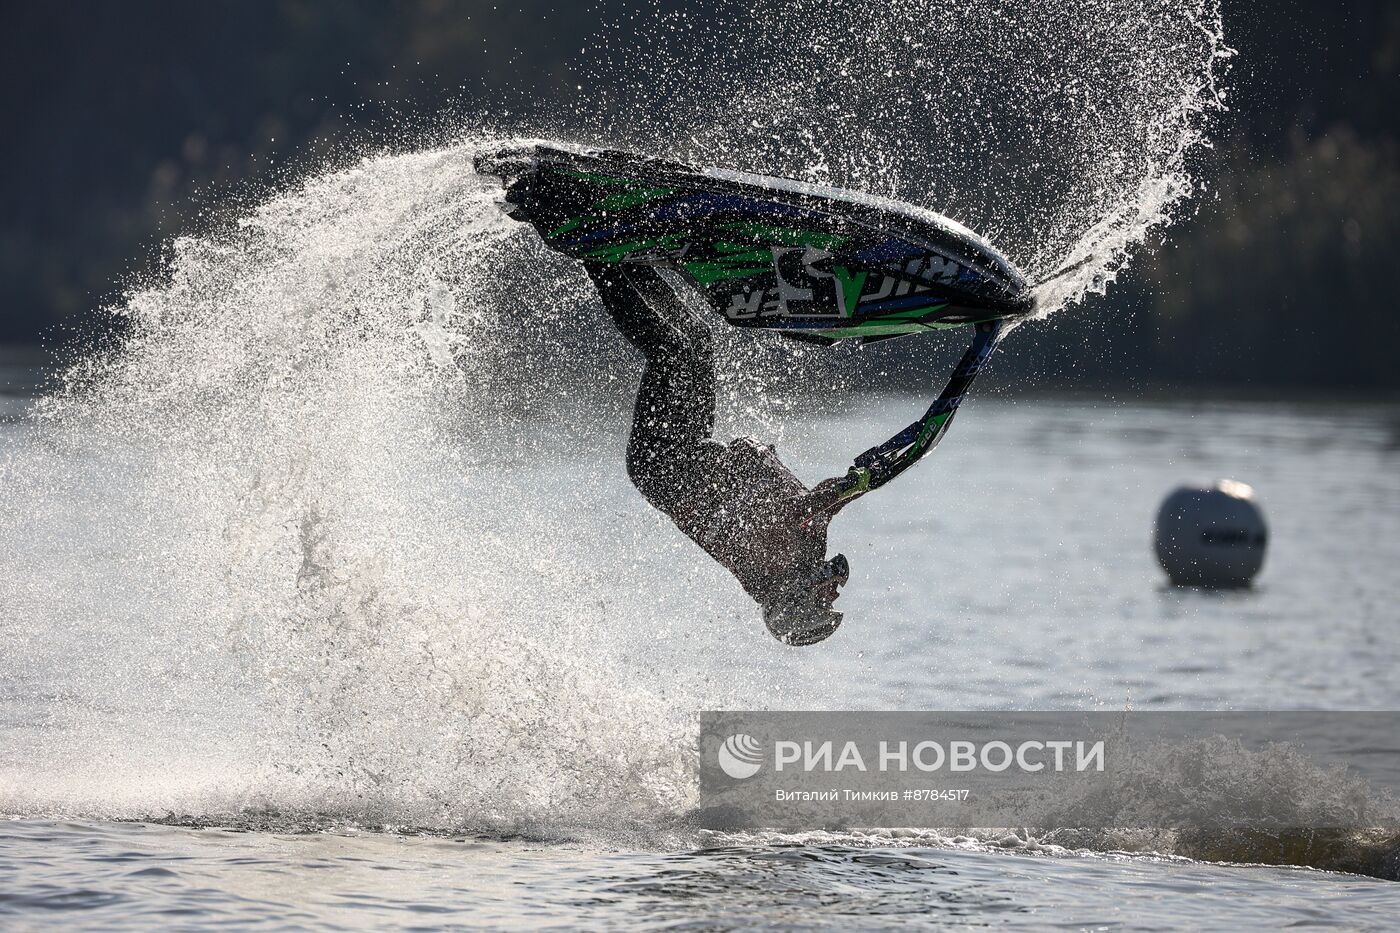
x: 891, y: 325
x: 852, y: 285
x: 786, y: 236
x: 735, y: 261
x: 633, y: 194
x: 623, y: 200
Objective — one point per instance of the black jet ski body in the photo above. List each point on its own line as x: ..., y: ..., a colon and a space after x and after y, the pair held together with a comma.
x: 814, y: 263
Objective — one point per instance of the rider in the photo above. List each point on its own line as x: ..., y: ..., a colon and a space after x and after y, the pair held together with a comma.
x: 736, y: 500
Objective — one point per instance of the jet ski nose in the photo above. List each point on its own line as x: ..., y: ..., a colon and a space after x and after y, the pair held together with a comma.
x: 506, y: 163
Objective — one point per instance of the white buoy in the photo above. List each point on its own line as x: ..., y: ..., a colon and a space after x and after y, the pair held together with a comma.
x: 1212, y: 537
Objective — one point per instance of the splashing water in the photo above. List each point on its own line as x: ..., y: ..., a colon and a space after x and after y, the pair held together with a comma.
x: 307, y: 444
x: 319, y: 575
x: 1061, y: 131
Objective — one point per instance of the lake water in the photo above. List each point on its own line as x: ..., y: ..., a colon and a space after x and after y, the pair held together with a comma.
x: 466, y: 701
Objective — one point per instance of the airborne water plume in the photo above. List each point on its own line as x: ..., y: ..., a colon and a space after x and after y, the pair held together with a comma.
x: 356, y: 544
x: 1062, y: 131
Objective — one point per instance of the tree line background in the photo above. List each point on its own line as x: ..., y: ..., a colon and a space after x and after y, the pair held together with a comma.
x: 120, y: 116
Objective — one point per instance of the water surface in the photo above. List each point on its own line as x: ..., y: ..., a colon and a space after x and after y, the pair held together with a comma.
x: 1011, y: 570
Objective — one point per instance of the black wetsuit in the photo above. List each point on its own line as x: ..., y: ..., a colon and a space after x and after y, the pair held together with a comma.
x: 737, y: 501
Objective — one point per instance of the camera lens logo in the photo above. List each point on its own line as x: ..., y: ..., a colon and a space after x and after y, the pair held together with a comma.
x: 740, y: 756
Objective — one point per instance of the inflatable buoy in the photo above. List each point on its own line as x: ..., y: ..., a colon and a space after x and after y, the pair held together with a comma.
x: 1212, y: 537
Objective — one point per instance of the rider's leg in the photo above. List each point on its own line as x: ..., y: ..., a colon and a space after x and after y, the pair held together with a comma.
x: 675, y: 409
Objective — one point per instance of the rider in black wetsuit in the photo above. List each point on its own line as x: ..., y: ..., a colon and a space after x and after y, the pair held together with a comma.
x: 737, y: 501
